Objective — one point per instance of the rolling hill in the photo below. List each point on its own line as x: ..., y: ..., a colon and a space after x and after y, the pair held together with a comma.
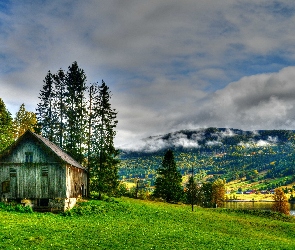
x: 261, y: 155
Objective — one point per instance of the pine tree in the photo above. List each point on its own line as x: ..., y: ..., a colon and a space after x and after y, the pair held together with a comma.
x: 192, y: 191
x: 23, y: 121
x: 46, y: 114
x: 59, y: 104
x: 76, y: 122
x: 6, y: 127
x: 103, y: 160
x: 168, y: 182
x: 206, y: 195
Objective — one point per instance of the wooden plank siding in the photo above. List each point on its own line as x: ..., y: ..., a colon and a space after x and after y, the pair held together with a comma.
x: 37, y: 169
x: 76, y: 179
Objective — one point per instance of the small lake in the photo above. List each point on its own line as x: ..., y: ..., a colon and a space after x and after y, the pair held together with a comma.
x: 263, y: 205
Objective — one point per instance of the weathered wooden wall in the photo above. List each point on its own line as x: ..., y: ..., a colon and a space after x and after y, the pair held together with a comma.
x: 46, y: 177
x: 29, y: 181
x: 76, y: 182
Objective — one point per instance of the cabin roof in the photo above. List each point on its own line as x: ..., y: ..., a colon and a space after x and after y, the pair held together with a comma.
x: 48, y: 144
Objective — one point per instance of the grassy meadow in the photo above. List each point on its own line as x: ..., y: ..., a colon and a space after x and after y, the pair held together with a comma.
x: 135, y: 224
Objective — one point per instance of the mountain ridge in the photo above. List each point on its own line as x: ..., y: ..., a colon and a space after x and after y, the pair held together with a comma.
x: 232, y: 154
x: 212, y: 136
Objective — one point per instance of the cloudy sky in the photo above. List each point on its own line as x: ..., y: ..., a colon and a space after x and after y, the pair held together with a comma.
x: 170, y: 64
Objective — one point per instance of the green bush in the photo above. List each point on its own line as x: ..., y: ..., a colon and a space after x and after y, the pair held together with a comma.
x: 15, y: 207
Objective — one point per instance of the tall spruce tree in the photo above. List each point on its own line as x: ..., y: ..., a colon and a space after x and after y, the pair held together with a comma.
x: 168, y: 182
x: 46, y: 114
x: 103, y: 161
x: 59, y: 104
x: 76, y: 122
x: 6, y: 127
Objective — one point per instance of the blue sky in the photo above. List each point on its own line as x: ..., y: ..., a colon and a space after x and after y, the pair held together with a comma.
x: 170, y: 64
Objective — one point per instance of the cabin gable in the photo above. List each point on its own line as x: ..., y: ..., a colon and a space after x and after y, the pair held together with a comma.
x: 29, y: 150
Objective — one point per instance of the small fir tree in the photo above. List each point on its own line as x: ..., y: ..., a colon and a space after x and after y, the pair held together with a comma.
x: 168, y: 182
x: 191, y: 191
x: 206, y: 195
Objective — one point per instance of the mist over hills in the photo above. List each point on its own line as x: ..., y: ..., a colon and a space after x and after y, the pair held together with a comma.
x: 210, y: 138
x: 266, y: 157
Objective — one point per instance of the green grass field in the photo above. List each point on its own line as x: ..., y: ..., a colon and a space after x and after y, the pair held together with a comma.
x: 134, y: 224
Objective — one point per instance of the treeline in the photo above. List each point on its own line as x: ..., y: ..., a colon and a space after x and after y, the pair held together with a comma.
x: 80, y: 119
x: 169, y: 186
x: 77, y: 117
x: 226, y: 162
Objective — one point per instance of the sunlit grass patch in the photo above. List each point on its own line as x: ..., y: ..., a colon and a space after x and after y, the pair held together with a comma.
x: 135, y: 224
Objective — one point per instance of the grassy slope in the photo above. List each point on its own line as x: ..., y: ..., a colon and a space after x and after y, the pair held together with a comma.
x: 135, y: 224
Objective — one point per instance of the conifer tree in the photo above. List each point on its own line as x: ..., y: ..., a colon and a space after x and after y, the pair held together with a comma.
x: 6, y: 127
x: 206, y: 196
x: 168, y: 182
x: 60, y: 107
x: 192, y: 191
x: 76, y: 122
x: 45, y: 111
x: 103, y: 155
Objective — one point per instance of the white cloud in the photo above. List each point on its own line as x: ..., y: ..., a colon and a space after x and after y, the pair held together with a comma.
x: 168, y: 64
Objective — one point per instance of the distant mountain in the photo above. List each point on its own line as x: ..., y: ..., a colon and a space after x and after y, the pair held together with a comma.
x: 226, y: 153
x: 210, y: 137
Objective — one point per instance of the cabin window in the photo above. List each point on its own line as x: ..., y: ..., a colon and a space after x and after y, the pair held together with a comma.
x: 29, y: 157
x: 44, y: 171
x: 5, y: 186
x: 12, y: 172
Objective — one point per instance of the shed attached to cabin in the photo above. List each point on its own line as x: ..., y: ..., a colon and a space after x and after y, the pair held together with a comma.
x: 35, y: 171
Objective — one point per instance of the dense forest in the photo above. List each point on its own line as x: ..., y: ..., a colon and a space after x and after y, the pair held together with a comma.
x: 229, y: 154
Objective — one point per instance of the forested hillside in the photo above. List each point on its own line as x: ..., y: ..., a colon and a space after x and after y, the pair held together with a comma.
x: 230, y: 154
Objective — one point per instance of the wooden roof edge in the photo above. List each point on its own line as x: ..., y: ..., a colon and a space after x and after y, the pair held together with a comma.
x: 60, y: 153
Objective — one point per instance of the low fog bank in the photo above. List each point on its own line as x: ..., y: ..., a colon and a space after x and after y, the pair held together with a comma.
x: 210, y: 137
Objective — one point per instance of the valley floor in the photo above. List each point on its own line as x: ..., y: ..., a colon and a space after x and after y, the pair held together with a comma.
x: 134, y: 224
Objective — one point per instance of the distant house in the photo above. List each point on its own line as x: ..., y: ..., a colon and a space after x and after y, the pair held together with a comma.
x: 35, y: 171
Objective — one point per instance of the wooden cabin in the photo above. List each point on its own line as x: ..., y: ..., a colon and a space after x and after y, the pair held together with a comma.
x: 36, y: 172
